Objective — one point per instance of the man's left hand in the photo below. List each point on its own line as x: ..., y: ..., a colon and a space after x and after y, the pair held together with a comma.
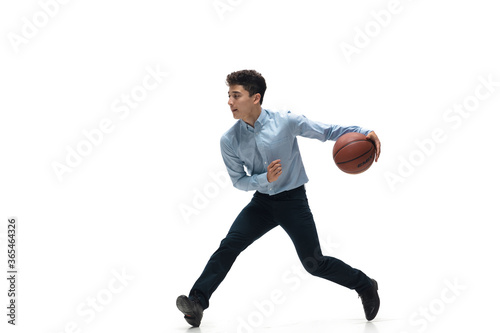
x: 374, y: 138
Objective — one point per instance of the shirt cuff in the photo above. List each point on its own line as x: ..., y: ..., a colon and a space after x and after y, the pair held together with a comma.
x: 262, y: 179
x: 365, y: 131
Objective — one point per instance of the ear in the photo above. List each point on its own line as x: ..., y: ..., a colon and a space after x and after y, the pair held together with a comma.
x: 256, y: 98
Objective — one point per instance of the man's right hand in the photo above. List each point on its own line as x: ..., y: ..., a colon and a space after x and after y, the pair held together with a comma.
x: 273, y: 171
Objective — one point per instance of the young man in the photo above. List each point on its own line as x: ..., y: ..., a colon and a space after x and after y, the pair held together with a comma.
x: 265, y: 143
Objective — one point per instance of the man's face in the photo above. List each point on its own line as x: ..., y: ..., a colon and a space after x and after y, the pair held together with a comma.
x: 240, y: 101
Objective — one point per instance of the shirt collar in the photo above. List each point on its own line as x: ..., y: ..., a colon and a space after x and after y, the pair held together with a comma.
x: 262, y: 117
x: 258, y: 123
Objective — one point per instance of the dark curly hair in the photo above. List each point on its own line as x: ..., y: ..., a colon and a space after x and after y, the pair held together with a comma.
x: 251, y: 80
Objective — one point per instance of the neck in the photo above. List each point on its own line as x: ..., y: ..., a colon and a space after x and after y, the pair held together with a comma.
x: 253, y: 116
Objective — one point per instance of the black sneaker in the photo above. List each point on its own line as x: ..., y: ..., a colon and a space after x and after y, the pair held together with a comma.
x: 193, y: 311
x: 371, y: 301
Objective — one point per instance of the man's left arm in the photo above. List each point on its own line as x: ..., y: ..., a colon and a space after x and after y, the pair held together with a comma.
x: 302, y: 126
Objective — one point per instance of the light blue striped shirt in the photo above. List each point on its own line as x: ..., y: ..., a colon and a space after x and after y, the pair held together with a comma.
x: 274, y: 136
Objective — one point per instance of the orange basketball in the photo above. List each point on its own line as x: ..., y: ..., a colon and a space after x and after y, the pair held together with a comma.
x: 353, y: 153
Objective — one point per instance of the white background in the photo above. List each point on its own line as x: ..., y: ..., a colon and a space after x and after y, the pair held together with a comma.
x: 119, y: 210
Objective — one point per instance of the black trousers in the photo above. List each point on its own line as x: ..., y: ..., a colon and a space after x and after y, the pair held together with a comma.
x: 290, y: 210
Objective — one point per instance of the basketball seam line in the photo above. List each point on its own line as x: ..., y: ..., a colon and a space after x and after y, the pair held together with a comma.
x: 371, y: 148
x: 350, y: 143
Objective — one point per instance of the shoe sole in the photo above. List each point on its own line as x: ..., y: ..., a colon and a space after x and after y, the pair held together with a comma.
x: 185, y: 306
